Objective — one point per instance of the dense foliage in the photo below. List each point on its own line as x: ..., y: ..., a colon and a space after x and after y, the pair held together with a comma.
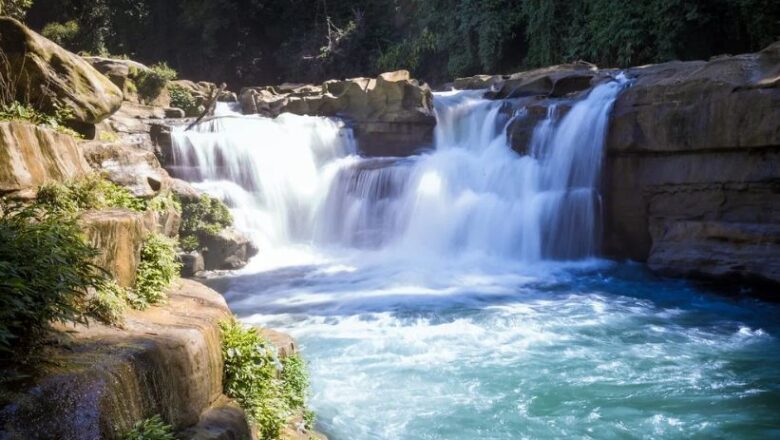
x: 200, y: 219
x: 158, y: 268
x: 45, y: 273
x: 271, y: 391
x: 150, y: 83
x: 15, y: 8
x: 16, y: 111
x: 90, y: 192
x: 153, y: 428
x: 183, y: 99
x: 260, y: 41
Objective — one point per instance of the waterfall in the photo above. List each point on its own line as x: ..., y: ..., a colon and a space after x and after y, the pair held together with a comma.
x: 298, y: 180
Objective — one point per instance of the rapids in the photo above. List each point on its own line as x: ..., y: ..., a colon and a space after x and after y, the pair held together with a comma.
x: 456, y: 294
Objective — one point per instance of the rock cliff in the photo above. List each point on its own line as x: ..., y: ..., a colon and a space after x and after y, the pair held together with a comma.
x: 692, y: 181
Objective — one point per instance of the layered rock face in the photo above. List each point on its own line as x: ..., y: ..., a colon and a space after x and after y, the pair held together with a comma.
x: 692, y: 182
x: 391, y: 115
x: 31, y: 156
x: 167, y: 360
x: 52, y: 77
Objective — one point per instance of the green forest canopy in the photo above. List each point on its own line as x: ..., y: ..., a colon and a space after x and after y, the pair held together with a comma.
x: 270, y: 41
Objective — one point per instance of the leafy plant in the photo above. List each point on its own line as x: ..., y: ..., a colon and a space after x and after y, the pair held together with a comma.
x: 202, y: 218
x: 108, y: 303
x: 46, y: 272
x: 150, y: 83
x: 61, y: 33
x: 16, y: 111
x: 269, y: 390
x: 157, y: 270
x: 90, y: 192
x: 153, y: 428
x: 183, y: 99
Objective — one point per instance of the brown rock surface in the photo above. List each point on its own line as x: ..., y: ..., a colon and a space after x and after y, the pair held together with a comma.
x: 391, y: 115
x: 119, y: 235
x: 692, y: 182
x: 127, y: 165
x: 51, y: 76
x: 167, y: 360
x: 32, y: 155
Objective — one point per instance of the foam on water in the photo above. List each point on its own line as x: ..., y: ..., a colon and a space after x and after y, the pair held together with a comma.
x: 454, y: 294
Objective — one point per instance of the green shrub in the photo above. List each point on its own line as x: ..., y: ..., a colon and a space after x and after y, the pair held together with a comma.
x: 270, y: 391
x: 163, y: 201
x: 63, y: 34
x: 150, y: 83
x: 202, y: 218
x: 17, y: 111
x: 152, y: 428
x: 46, y: 271
x: 108, y: 303
x: 183, y: 99
x: 157, y: 270
x: 90, y: 192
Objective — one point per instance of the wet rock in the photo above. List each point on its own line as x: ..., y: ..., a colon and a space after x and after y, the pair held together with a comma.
x: 392, y: 115
x: 166, y: 360
x: 691, y: 177
x: 173, y: 112
x: 50, y: 76
x: 225, y: 420
x: 32, y: 155
x: 228, y: 249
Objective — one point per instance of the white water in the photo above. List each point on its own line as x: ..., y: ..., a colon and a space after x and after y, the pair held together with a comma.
x: 297, y: 180
x: 429, y: 298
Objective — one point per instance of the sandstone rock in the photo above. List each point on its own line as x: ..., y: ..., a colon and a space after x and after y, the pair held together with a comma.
x: 51, y: 76
x: 479, y: 82
x: 553, y: 81
x: 225, y: 420
x: 184, y: 191
x: 175, y: 113
x: 120, y: 72
x: 391, y: 114
x: 167, y: 360
x: 119, y: 235
x: 691, y: 176
x: 285, y: 344
x: 31, y: 156
x: 191, y: 263
x: 127, y: 165
x: 229, y: 249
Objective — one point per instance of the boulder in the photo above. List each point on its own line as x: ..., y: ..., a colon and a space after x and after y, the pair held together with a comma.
x: 52, y: 77
x: 119, y: 235
x: 127, y: 165
x: 391, y: 115
x: 184, y: 191
x: 191, y: 264
x: 120, y: 72
x: 166, y: 360
x: 691, y: 181
x: 229, y: 249
x: 31, y: 156
x: 477, y: 82
x: 285, y: 344
x: 225, y: 420
x: 553, y: 81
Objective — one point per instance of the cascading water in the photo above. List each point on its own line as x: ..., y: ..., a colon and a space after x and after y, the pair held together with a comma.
x: 296, y: 179
x: 451, y: 295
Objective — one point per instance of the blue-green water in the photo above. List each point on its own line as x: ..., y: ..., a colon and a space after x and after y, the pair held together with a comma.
x: 497, y: 350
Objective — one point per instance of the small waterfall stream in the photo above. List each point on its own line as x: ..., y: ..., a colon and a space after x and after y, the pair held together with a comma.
x: 454, y: 294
